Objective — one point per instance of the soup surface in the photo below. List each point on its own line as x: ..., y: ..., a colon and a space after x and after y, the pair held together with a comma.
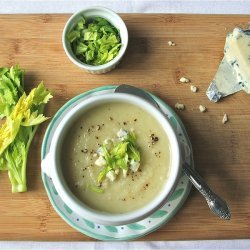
x: 124, y: 194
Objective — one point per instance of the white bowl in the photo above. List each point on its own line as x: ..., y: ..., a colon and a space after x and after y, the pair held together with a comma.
x: 51, y: 164
x: 110, y: 16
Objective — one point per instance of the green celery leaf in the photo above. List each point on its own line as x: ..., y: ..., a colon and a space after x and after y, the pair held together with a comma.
x: 103, y: 173
x: 73, y: 35
x: 81, y: 48
x: 119, y: 150
x: 80, y: 24
x: 90, y: 35
x: 41, y: 94
x: 89, y: 55
x: 33, y: 119
x: 96, y: 189
x: 3, y: 164
x: 133, y: 153
x: 122, y: 162
x: 11, y: 88
x: 131, y: 137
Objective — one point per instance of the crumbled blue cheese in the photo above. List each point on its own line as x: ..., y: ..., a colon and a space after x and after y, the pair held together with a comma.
x: 170, y: 43
x: 124, y: 172
x: 233, y: 73
x: 184, y: 80
x: 224, y: 119
x: 179, y: 106
x: 237, y: 53
x: 107, y: 141
x: 134, y: 165
x: 193, y: 88
x: 202, y: 108
x: 111, y: 175
x: 100, y: 162
x: 100, y: 151
x: 122, y: 134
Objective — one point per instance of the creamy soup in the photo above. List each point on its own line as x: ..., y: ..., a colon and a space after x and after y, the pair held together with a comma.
x: 124, y: 194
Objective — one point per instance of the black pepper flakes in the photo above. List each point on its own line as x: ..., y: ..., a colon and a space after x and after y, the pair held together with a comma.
x: 111, y: 118
x: 135, y: 120
x: 84, y: 151
x: 98, y: 127
x: 154, y: 139
x: 124, y: 123
x: 97, y: 137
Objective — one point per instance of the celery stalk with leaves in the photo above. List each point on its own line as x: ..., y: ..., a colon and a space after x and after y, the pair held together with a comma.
x: 23, y: 113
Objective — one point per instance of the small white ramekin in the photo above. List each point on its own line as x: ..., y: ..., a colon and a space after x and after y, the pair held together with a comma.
x: 110, y: 16
x: 51, y: 164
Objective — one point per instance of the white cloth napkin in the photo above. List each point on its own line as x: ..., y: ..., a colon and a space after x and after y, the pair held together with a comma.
x: 128, y: 6
x: 135, y: 245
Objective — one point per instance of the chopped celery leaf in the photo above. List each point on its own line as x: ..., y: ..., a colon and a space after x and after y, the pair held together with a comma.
x: 94, y: 41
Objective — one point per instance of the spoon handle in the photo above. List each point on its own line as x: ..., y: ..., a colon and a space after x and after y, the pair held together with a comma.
x: 217, y: 205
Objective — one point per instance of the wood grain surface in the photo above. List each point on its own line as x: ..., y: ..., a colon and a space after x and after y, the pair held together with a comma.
x: 221, y: 151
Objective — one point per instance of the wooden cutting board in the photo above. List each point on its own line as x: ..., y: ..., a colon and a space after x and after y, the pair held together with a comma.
x: 221, y: 151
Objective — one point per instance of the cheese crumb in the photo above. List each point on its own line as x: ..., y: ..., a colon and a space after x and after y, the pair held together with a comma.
x: 122, y: 134
x: 170, y: 43
x: 193, y: 88
x: 184, y: 80
x: 111, y: 175
x: 124, y: 172
x: 202, y: 108
x: 179, y: 106
x: 224, y: 119
x: 134, y: 165
x: 100, y: 161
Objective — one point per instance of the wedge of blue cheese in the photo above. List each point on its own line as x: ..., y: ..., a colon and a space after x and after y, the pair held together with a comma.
x: 233, y: 73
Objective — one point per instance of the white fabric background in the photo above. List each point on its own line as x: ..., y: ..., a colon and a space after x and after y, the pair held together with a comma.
x: 183, y: 245
x: 128, y: 6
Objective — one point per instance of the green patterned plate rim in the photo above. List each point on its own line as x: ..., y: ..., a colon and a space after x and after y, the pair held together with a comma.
x: 129, y: 231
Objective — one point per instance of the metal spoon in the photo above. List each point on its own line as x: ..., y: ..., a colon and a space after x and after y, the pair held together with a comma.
x: 217, y: 205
